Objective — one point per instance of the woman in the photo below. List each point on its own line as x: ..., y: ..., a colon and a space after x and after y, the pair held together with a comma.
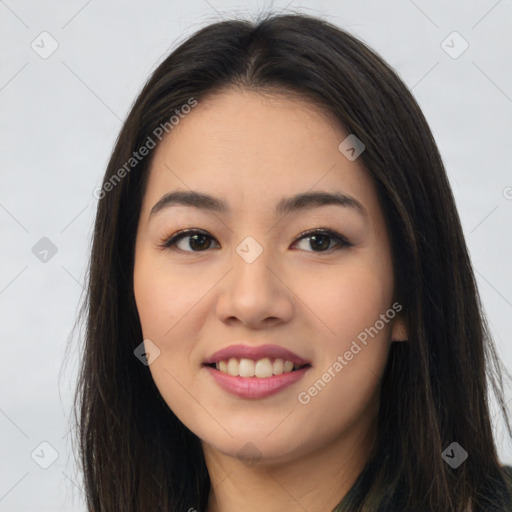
x: 281, y: 310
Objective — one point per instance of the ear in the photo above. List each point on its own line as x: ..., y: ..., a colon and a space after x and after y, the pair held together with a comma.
x: 399, y: 330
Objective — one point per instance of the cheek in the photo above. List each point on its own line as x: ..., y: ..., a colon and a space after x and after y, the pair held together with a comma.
x: 165, y: 300
x: 153, y: 296
x: 347, y: 299
x: 354, y: 353
x: 164, y: 294
x: 173, y: 302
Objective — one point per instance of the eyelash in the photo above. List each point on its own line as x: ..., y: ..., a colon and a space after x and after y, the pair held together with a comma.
x: 342, y: 242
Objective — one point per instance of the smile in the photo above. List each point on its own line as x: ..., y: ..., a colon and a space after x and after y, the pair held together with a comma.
x: 255, y: 371
x: 251, y: 386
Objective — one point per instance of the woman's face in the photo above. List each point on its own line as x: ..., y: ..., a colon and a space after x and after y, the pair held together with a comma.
x: 251, y: 277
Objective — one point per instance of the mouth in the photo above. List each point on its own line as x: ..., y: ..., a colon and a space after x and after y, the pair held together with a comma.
x: 263, y: 368
x: 255, y: 378
x: 260, y: 362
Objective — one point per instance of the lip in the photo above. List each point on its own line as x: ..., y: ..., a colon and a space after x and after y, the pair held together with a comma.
x: 255, y: 353
x: 254, y: 387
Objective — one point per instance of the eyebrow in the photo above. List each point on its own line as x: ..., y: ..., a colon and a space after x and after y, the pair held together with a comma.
x: 305, y: 200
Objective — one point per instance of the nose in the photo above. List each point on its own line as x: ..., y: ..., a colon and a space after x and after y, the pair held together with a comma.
x: 255, y: 294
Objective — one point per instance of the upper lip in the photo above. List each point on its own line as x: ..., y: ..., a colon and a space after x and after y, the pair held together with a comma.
x: 260, y: 352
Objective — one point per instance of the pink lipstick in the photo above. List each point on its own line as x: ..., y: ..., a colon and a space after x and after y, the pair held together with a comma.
x: 255, y: 372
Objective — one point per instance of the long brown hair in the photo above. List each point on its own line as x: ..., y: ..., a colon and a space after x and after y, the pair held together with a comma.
x: 134, y: 452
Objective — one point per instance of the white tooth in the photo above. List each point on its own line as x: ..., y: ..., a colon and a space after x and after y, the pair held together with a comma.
x: 278, y: 367
x: 233, y: 366
x: 263, y: 368
x: 246, y: 368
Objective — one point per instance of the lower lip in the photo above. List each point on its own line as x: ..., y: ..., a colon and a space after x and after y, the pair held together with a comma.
x: 255, y: 387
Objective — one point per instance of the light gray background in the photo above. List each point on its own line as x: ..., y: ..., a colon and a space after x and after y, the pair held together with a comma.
x: 59, y: 120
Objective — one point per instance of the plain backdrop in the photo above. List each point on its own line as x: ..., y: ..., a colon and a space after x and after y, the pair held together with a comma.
x: 61, y: 113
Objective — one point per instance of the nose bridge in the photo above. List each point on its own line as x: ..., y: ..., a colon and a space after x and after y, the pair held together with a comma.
x: 252, y: 291
x: 251, y: 267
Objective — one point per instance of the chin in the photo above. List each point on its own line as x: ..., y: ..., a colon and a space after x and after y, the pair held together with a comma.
x: 254, y: 447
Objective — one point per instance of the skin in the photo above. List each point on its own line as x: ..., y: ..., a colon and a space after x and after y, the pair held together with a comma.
x: 252, y: 150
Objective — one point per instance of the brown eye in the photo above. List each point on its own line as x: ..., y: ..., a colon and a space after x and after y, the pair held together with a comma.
x: 320, y: 240
x: 194, y: 241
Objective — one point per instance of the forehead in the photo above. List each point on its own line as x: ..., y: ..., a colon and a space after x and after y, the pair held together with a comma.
x: 253, y: 149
